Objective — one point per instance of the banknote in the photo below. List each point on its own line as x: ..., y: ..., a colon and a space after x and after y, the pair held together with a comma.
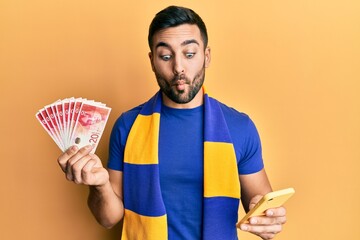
x: 58, y: 108
x: 90, y: 124
x: 65, y: 106
x: 74, y: 113
x: 51, y: 116
x: 48, y: 128
x: 74, y: 121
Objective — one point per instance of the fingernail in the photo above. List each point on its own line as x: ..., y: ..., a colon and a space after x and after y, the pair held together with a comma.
x: 243, y: 227
x: 269, y: 213
x: 74, y: 148
x: 253, y: 221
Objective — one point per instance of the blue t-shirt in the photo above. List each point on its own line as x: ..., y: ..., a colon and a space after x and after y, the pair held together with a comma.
x: 181, y: 160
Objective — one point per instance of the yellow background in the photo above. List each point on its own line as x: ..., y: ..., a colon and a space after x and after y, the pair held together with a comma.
x: 293, y: 66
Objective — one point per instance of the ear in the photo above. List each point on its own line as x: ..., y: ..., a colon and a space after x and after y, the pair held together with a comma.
x: 151, y: 57
x: 207, y: 56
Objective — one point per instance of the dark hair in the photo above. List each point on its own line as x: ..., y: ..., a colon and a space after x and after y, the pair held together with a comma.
x: 173, y: 16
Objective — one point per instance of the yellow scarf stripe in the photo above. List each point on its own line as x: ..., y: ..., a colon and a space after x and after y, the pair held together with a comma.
x: 220, y: 161
x: 141, y: 227
x: 144, y: 135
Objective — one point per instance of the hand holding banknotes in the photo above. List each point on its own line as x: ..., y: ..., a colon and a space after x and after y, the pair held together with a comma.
x: 76, y: 126
x: 83, y: 167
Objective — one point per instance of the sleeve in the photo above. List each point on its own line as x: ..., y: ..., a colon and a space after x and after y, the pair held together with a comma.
x: 246, y: 141
x: 118, y: 138
x: 117, y: 146
x: 250, y: 159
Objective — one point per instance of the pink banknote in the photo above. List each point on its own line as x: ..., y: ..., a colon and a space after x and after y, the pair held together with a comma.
x: 74, y: 113
x: 90, y: 124
x: 48, y: 127
x: 74, y: 121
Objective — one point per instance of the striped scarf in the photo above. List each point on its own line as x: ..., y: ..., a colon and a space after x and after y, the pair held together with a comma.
x: 145, y: 214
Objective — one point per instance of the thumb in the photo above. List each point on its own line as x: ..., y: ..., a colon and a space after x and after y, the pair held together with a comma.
x: 93, y: 175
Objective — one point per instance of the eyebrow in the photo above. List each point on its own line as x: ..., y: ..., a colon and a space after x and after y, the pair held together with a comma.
x: 186, y: 42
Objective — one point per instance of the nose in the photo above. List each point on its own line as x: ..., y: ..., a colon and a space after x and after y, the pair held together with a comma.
x: 178, y: 67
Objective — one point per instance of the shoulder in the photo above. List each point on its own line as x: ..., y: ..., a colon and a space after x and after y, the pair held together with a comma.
x: 241, y: 126
x: 233, y: 116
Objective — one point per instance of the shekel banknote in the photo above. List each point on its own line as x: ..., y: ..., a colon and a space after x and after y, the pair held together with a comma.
x: 74, y: 121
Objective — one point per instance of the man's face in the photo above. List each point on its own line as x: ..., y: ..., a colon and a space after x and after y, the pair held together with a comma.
x: 178, y: 59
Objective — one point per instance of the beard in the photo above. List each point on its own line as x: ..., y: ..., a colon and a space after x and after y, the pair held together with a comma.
x: 181, y: 96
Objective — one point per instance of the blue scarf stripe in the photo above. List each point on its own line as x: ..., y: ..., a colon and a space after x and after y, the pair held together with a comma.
x: 152, y: 106
x: 143, y: 180
x: 216, y: 129
x: 220, y: 218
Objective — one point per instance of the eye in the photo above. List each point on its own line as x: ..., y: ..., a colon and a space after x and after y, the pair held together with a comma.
x: 190, y: 55
x: 165, y: 57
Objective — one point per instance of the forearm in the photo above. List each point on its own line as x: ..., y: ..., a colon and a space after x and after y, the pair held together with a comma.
x: 252, y: 185
x: 106, y: 206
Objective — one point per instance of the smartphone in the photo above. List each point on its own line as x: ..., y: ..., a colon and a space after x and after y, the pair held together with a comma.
x: 270, y: 200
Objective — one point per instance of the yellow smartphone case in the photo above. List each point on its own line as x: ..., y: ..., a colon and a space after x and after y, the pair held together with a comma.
x: 271, y: 200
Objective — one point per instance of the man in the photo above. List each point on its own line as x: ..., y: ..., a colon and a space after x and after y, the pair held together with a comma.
x: 177, y: 163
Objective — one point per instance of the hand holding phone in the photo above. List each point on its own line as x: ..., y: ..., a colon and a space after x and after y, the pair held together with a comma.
x: 270, y: 200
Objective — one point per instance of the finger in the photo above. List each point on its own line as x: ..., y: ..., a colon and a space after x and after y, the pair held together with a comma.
x: 79, y: 154
x: 69, y: 172
x: 267, y: 236
x: 77, y: 168
x: 265, y: 220
x: 88, y: 172
x: 276, y: 212
x: 94, y: 175
x: 63, y: 159
x: 254, y: 201
x: 97, y: 159
x: 262, y: 229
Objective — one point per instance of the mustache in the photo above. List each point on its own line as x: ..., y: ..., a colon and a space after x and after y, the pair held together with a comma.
x: 181, y: 77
